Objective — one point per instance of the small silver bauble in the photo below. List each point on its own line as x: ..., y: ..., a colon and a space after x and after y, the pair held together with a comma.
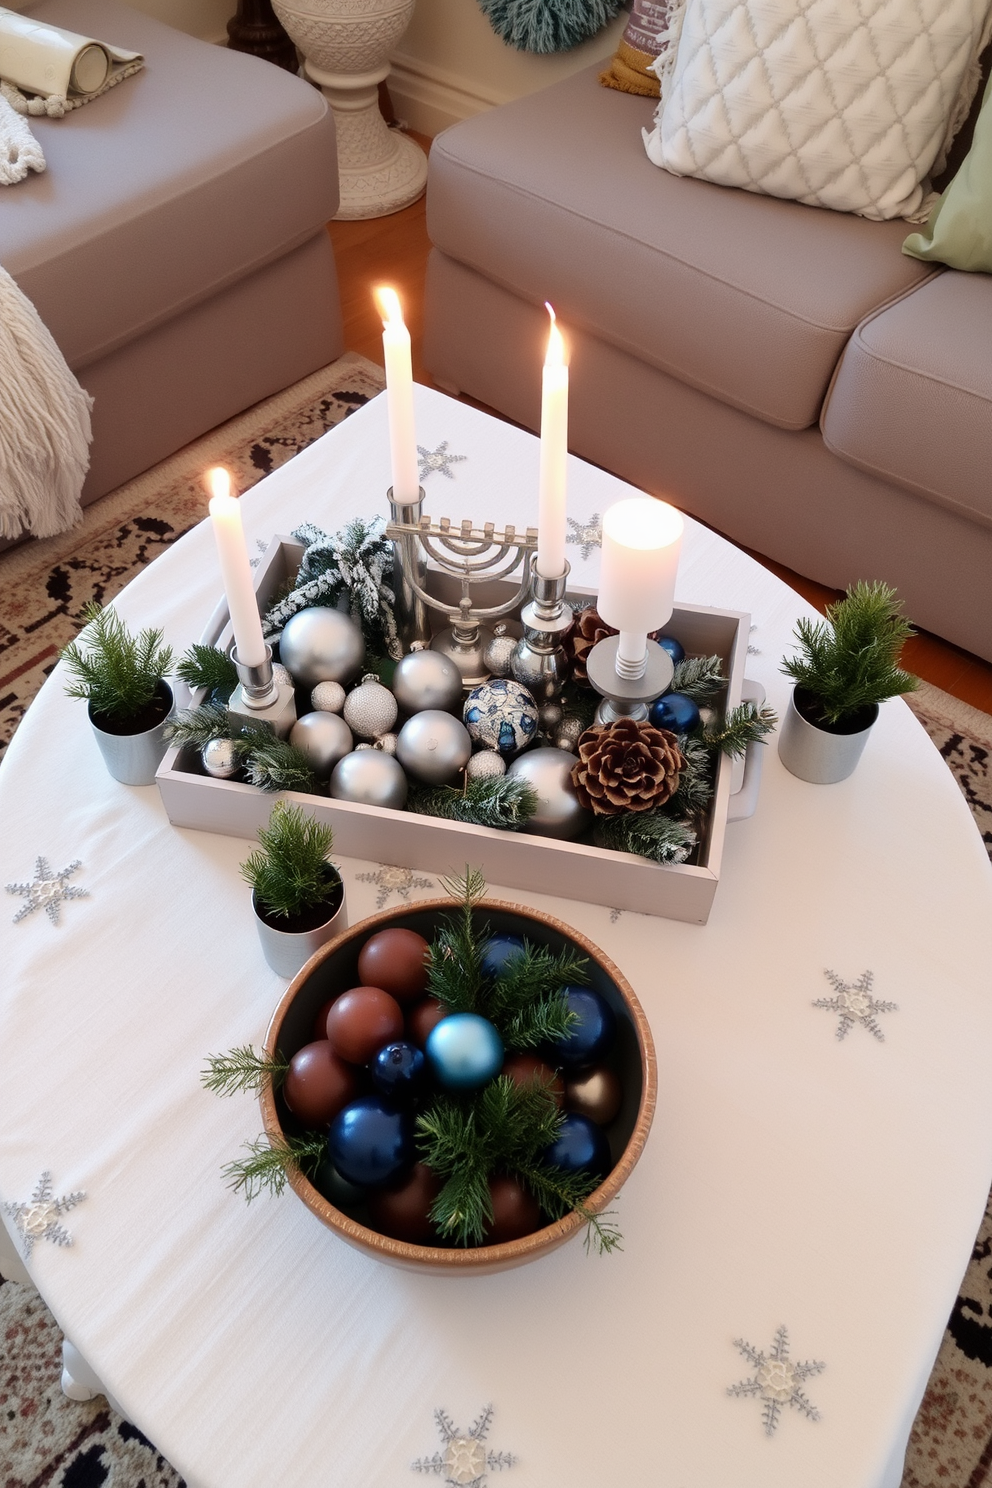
x: 328, y: 697
x: 549, y: 772
x: 280, y: 675
x: 433, y: 747
x: 485, y: 764
x: 370, y: 710
x: 371, y: 778
x: 220, y: 758
x: 496, y: 656
x: 501, y: 715
x: 364, y: 746
x: 549, y: 717
x: 319, y: 644
x: 324, y: 738
x: 426, y: 679
x: 386, y: 742
x: 569, y: 732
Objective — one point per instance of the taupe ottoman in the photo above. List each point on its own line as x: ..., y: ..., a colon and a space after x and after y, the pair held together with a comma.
x: 176, y: 247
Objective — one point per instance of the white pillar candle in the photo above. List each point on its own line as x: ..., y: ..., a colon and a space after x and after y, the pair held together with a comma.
x: 642, y: 540
x: 399, y: 396
x: 225, y: 514
x: 552, y: 481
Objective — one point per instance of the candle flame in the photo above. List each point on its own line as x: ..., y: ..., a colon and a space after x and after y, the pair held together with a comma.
x: 387, y: 302
x: 218, y: 481
x: 556, y: 346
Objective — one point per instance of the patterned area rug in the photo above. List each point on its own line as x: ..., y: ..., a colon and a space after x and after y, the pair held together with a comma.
x: 47, y: 1441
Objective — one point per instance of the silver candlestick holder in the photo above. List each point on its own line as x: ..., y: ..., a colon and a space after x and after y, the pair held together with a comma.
x: 409, y: 570
x: 539, y: 661
x: 259, y: 697
x: 625, y: 695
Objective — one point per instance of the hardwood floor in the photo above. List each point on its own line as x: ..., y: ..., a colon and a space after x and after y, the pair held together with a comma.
x: 393, y: 250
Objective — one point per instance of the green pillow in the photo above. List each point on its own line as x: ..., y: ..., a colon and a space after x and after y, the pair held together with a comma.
x: 959, y: 229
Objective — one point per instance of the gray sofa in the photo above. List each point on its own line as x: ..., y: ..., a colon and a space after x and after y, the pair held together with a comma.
x: 176, y: 247
x: 782, y: 372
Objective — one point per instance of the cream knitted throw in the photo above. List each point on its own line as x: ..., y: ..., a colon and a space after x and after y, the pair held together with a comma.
x: 44, y: 424
x: 19, y: 150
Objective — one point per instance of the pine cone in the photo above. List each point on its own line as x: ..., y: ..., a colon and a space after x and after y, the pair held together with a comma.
x: 626, y: 766
x: 587, y: 630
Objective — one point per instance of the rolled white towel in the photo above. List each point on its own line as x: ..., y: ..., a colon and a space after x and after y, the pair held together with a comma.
x: 19, y: 150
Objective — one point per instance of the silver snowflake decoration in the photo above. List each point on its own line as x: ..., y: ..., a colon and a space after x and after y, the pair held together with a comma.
x: 752, y: 650
x: 776, y: 1380
x: 40, y: 1218
x: 464, y: 1459
x: 586, y: 535
x: 854, y: 1004
x: 439, y: 459
x: 47, y: 890
x: 392, y: 880
x: 615, y: 915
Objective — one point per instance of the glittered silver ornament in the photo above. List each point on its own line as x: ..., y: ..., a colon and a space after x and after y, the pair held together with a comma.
x: 549, y: 772
x: 364, y: 746
x: 569, y: 732
x: 371, y: 778
x: 427, y: 679
x: 549, y: 717
x: 319, y: 644
x: 433, y: 747
x: 386, y: 742
x: 220, y: 758
x: 324, y: 738
x: 501, y: 715
x: 280, y: 675
x: 328, y: 697
x: 496, y: 656
x: 485, y: 764
x: 370, y: 709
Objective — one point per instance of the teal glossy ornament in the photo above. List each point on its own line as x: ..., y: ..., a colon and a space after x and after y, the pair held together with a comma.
x: 464, y: 1051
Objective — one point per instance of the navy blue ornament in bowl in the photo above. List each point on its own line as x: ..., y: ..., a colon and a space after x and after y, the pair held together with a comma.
x: 370, y: 1143
x: 675, y: 712
x: 592, y: 1033
x: 581, y: 1147
x: 500, y: 950
x: 399, y: 1073
x: 464, y: 1051
x: 675, y: 648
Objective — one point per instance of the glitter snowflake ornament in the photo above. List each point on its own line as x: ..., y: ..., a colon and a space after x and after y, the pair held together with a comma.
x: 392, y: 880
x: 439, y: 460
x: 777, y: 1380
x: 586, y: 535
x: 464, y: 1460
x: 41, y: 1217
x: 47, y: 890
x: 854, y: 1003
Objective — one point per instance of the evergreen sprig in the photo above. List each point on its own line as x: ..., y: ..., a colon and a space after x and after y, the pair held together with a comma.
x: 499, y: 801
x: 289, y: 871
x: 744, y: 725
x: 557, y: 1192
x: 695, y: 787
x: 276, y: 765
x: 240, y: 1069
x: 850, y: 660
x: 118, y: 673
x: 269, y: 1162
x: 699, y: 677
x: 649, y: 834
x: 197, y: 726
x: 208, y: 667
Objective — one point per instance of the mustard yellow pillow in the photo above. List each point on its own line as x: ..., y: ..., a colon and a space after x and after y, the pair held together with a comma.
x: 959, y: 229
x: 643, y: 39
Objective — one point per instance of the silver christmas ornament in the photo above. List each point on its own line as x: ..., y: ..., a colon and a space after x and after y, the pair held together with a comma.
x: 549, y: 717
x: 569, y: 732
x: 549, y: 772
x: 371, y: 778
x: 280, y: 675
x: 370, y: 710
x: 386, y: 742
x: 426, y: 679
x: 433, y: 747
x: 497, y: 654
x: 364, y: 746
x: 324, y: 738
x: 485, y: 764
x: 220, y: 758
x: 319, y: 644
x: 501, y: 715
x: 328, y: 697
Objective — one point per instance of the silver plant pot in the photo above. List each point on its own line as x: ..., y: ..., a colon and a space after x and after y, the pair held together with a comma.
x: 133, y: 758
x: 288, y: 951
x: 816, y: 754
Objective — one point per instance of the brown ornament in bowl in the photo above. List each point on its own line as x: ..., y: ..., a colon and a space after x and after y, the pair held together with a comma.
x: 404, y: 1211
x: 318, y: 1084
x: 516, y: 1212
x: 626, y: 766
x: 527, y: 1069
x: 395, y: 960
x: 361, y: 1021
x: 421, y: 1018
x: 596, y: 1093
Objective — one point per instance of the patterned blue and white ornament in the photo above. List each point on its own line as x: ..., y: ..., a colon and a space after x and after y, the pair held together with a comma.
x: 502, y: 715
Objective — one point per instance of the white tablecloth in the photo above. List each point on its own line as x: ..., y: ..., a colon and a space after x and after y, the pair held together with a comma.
x: 789, y: 1178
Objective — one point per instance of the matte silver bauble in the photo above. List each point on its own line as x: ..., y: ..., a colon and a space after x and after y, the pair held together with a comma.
x: 319, y: 644
x: 569, y: 732
x: 328, y: 697
x: 497, y: 654
x: 370, y: 709
x: 485, y: 764
x: 220, y: 758
x: 549, y: 717
x: 433, y: 747
x: 324, y: 738
x: 386, y: 742
x: 549, y: 772
x: 371, y: 778
x: 426, y: 679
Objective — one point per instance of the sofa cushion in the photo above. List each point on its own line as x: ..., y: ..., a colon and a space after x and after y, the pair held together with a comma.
x: 912, y: 399
x: 178, y: 182
x: 959, y: 232
x: 748, y: 298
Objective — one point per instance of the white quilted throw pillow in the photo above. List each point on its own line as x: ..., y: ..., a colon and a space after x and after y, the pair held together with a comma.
x: 845, y: 104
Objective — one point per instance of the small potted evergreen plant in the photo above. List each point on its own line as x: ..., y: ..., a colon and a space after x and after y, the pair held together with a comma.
x: 122, y: 677
x: 846, y: 665
x: 297, y: 895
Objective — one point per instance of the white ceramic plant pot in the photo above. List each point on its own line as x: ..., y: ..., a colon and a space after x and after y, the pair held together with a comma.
x: 287, y: 952
x: 346, y: 46
x: 134, y: 758
x: 821, y: 756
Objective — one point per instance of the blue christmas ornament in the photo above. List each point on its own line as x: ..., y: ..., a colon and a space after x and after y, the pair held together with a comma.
x: 581, y: 1147
x: 499, y: 951
x: 464, y: 1051
x: 590, y: 1036
x: 369, y: 1142
x: 502, y: 715
x: 337, y: 1190
x: 398, y: 1072
x: 675, y: 712
x: 675, y: 648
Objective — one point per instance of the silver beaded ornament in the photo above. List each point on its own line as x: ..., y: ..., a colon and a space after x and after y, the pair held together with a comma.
x: 370, y: 710
x: 324, y: 738
x: 569, y: 732
x: 485, y: 764
x: 220, y: 758
x: 280, y: 674
x: 496, y: 656
x: 426, y: 679
x: 549, y: 717
x: 371, y: 778
x: 328, y: 697
x: 433, y: 747
x: 319, y: 644
x: 386, y: 742
x: 501, y: 715
x: 559, y: 812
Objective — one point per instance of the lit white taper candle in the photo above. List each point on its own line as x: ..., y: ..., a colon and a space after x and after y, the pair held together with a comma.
x: 642, y: 541
x: 552, y: 481
x: 225, y: 514
x: 399, y: 396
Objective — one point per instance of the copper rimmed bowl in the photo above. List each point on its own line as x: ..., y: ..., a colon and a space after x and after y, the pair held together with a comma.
x: 334, y: 969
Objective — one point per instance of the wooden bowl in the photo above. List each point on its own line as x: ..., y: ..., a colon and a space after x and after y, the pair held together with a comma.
x: 334, y: 969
